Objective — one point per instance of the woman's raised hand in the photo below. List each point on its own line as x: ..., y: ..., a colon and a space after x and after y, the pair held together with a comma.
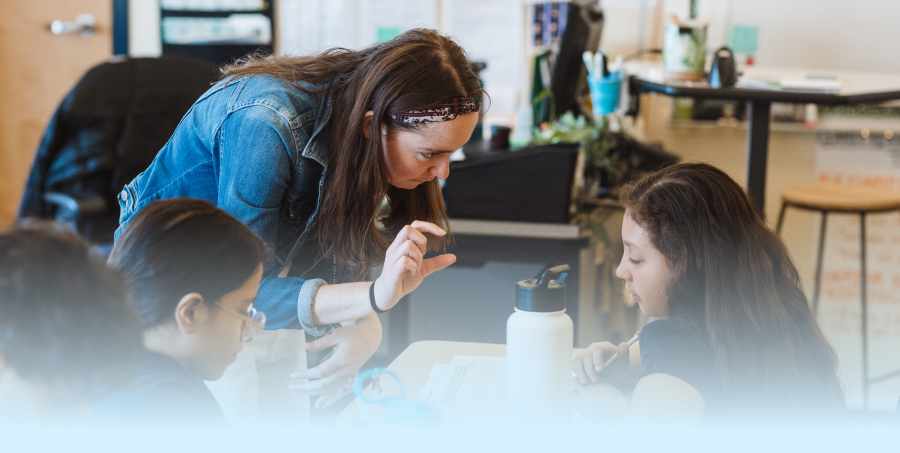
x: 405, y: 266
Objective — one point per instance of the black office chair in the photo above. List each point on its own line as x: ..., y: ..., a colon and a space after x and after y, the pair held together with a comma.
x: 105, y: 132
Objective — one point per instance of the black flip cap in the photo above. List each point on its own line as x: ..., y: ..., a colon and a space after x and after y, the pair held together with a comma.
x: 542, y: 293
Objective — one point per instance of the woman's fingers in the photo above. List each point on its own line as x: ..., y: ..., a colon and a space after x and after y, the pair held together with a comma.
x: 407, y: 265
x: 413, y: 232
x: 437, y: 263
x: 320, y: 386
x: 324, y: 342
x: 327, y: 399
x: 324, y: 369
x: 428, y: 227
x: 408, y: 233
x: 409, y: 250
x: 410, y: 239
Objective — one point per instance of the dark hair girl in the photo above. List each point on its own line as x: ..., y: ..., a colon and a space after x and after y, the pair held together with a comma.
x: 304, y: 151
x: 194, y: 271
x: 739, y: 329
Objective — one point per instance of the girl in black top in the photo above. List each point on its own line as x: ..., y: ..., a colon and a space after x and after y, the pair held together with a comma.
x: 739, y: 339
x: 194, y: 271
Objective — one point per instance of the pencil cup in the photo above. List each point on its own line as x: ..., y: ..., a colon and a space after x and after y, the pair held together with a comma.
x: 605, y: 94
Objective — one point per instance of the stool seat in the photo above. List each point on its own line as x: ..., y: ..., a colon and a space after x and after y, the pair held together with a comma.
x: 831, y: 197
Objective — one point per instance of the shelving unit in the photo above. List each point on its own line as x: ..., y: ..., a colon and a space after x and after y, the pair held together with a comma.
x: 217, y: 31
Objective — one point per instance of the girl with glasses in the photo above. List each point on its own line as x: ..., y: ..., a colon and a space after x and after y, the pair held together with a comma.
x: 194, y: 272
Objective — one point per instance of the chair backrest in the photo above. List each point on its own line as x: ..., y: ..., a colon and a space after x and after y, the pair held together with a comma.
x: 107, y: 130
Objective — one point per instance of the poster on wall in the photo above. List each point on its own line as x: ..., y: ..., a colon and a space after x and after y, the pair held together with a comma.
x: 311, y: 26
x: 495, y: 36
x: 847, y: 158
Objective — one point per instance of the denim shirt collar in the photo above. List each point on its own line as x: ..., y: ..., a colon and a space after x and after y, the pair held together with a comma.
x: 316, y: 147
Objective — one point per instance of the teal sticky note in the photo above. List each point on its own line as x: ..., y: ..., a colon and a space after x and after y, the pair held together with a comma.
x: 386, y: 33
x: 744, y: 39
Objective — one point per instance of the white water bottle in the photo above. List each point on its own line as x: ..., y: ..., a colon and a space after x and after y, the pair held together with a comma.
x: 539, y: 339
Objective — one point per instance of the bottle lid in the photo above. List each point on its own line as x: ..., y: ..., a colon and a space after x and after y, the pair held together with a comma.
x: 543, y: 294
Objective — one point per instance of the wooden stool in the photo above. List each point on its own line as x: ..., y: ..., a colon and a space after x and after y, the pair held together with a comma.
x: 843, y: 199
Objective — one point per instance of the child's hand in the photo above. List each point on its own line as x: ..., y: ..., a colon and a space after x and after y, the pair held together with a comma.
x: 588, y: 365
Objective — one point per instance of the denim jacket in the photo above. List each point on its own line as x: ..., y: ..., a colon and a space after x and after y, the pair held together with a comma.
x: 254, y: 147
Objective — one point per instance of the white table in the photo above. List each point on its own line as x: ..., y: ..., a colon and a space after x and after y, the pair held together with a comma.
x: 414, y: 364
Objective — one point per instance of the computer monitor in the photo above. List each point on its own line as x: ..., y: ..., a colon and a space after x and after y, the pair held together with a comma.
x: 568, y: 78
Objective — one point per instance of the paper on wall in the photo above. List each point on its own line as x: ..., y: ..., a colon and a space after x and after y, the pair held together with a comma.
x: 310, y: 26
x: 212, y: 5
x: 383, y: 19
x: 235, y: 29
x: 848, y: 158
x: 492, y: 31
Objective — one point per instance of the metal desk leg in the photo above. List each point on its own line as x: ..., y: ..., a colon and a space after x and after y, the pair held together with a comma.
x: 863, y: 314
x: 758, y: 153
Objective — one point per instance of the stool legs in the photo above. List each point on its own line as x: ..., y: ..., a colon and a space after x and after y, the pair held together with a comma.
x: 780, y: 218
x: 821, y: 252
x: 865, y: 331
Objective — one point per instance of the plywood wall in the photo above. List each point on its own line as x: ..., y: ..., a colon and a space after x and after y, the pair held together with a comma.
x: 38, y: 69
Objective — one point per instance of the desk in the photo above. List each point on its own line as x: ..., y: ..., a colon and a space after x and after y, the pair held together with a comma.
x: 480, y: 241
x: 414, y: 364
x: 858, y: 88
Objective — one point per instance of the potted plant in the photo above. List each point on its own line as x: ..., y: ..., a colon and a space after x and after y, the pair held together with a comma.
x: 604, y: 165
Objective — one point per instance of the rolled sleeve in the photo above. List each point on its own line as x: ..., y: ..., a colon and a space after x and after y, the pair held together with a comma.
x: 304, y: 308
x: 287, y: 303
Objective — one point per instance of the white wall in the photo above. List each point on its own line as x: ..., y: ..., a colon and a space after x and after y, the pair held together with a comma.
x: 824, y: 34
x: 861, y: 35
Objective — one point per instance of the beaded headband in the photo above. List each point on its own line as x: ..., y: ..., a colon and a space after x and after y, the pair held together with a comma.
x: 445, y: 111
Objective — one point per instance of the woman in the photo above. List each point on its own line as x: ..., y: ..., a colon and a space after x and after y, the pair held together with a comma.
x: 304, y: 150
x: 739, y: 339
x: 68, y: 334
x: 194, y: 271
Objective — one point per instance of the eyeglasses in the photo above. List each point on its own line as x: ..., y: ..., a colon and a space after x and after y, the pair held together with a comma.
x: 254, y: 320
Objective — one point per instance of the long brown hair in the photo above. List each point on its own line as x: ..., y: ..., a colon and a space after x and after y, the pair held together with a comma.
x: 418, y: 69
x: 734, y: 280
